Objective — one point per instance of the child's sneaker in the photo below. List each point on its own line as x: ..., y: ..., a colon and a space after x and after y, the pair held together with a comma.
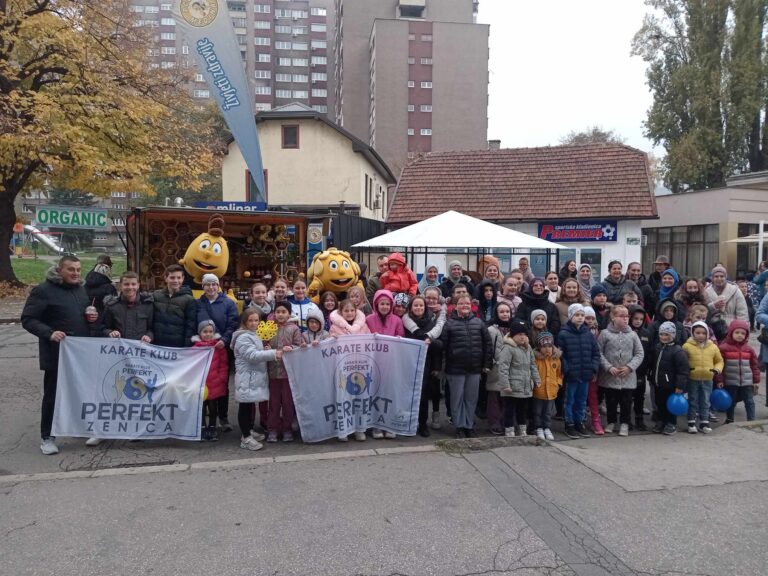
x: 624, y: 430
x: 609, y: 428
x: 692, y: 428
x: 712, y: 416
x: 704, y: 428
x: 248, y: 443
x: 225, y: 425
x: 377, y: 434
x: 93, y: 441
x: 597, y: 427
x: 258, y: 436
x: 540, y: 433
x: 522, y: 432
x: 360, y: 436
x: 343, y: 438
x: 435, y: 423
x: 390, y: 435
x: 213, y: 434
x: 548, y: 434
x: 272, y: 437
x: 509, y: 432
x: 48, y: 446
x: 581, y: 430
x: 287, y: 436
x: 669, y: 429
x: 570, y: 431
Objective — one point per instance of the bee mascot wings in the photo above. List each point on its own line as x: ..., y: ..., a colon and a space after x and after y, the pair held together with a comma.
x: 332, y: 270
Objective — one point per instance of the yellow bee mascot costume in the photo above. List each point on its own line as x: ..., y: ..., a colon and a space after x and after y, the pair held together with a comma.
x: 332, y: 270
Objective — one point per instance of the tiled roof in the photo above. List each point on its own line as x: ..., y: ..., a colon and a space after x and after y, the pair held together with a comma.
x: 557, y: 182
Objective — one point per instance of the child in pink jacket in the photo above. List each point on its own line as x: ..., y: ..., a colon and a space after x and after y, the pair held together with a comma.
x: 399, y: 278
x: 382, y: 320
x: 348, y: 320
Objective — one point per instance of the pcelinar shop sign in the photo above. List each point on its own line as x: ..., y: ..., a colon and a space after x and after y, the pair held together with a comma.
x: 71, y: 217
x: 594, y: 231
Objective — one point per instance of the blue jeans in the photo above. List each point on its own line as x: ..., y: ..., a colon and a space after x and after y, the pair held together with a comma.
x: 576, y: 402
x: 698, y: 400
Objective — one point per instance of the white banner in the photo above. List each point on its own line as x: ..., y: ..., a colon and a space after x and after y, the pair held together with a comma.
x: 115, y: 388
x: 352, y: 383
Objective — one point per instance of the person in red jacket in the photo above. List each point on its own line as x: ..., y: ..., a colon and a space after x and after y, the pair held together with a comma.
x: 399, y: 278
x: 218, y: 375
x: 741, y: 375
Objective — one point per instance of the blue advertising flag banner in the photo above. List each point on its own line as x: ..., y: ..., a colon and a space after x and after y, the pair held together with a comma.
x: 352, y: 383
x: 207, y: 26
x: 233, y: 206
x: 579, y: 231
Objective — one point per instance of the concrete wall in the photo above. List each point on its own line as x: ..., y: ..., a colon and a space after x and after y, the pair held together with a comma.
x: 322, y: 171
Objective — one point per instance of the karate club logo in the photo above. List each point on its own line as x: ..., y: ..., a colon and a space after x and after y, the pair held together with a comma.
x: 199, y: 13
x: 132, y: 380
x: 358, y: 375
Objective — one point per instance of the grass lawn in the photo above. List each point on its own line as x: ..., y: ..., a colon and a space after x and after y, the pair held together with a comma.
x: 31, y: 271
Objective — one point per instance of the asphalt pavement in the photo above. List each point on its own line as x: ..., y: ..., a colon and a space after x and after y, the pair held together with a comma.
x: 690, y: 505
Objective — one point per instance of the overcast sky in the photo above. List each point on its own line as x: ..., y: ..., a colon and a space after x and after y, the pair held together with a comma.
x: 563, y: 65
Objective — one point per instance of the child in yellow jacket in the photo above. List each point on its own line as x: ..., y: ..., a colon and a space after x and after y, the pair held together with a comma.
x: 548, y: 364
x: 705, y: 363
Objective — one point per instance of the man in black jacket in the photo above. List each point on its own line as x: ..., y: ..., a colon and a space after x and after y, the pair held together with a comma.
x: 98, y: 282
x: 175, y: 317
x: 54, y: 310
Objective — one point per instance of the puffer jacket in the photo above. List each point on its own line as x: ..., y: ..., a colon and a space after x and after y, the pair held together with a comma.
x: 133, y: 322
x: 223, y: 312
x: 646, y: 338
x: 531, y: 302
x: 615, y: 290
x: 340, y: 327
x: 218, y: 373
x: 492, y: 383
x: 251, y: 381
x: 581, y: 356
x: 669, y: 368
x: 551, y: 374
x: 175, y: 317
x: 619, y: 348
x: 288, y: 334
x: 466, y: 345
x: 55, y: 306
x: 518, y: 374
x: 98, y: 285
x: 390, y: 325
x: 740, y: 359
x: 401, y: 280
x: 702, y: 359
x: 320, y: 335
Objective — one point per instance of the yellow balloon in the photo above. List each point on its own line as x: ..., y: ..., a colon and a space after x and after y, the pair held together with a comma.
x: 205, y: 392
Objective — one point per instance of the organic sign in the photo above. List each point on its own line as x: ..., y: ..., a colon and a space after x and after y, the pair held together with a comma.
x: 71, y: 217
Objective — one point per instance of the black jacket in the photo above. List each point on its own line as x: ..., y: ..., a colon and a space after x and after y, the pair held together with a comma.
x: 530, y: 302
x: 434, y: 352
x: 98, y: 286
x: 175, y: 317
x: 669, y: 367
x: 648, y: 297
x: 646, y: 339
x: 55, y: 306
x: 446, y: 286
x: 616, y: 291
x: 132, y: 322
x: 467, y: 345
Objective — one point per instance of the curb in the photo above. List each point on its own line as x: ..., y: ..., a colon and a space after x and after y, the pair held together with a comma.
x: 10, y: 320
x: 211, y: 466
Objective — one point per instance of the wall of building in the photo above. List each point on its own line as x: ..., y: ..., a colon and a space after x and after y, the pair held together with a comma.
x: 323, y: 171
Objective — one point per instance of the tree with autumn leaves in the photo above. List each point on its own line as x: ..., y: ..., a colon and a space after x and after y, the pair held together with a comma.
x: 82, y: 107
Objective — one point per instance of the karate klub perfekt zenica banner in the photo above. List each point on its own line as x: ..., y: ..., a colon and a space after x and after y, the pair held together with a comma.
x: 352, y: 383
x: 114, y: 388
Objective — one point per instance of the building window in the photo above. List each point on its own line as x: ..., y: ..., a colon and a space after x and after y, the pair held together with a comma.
x: 282, y: 45
x: 301, y: 94
x: 169, y: 50
x: 322, y: 108
x: 411, y: 11
x: 426, y: 37
x: 301, y: 62
x: 118, y: 195
x: 283, y: 77
x: 263, y: 74
x: 426, y: 84
x: 299, y: 30
x: 410, y: 132
x: 262, y: 40
x: 301, y: 78
x: 166, y: 7
x: 167, y: 65
x: 262, y: 25
x: 185, y: 49
x: 426, y: 108
x: 284, y: 62
x: 411, y: 60
x: 411, y: 108
x: 300, y: 46
x: 290, y: 138
x: 199, y: 78
x: 318, y: 27
x: 167, y: 22
x: 318, y: 11
x: 282, y: 29
x: 239, y: 22
x: 319, y: 60
x: 693, y: 249
x: 201, y: 94
x: 426, y: 132
x: 319, y: 44
x: 236, y: 6
x: 300, y: 14
x: 411, y: 36
x: 262, y: 8
x: 411, y: 84
x: 167, y: 35
x: 264, y: 57
x: 319, y: 77
x: 283, y: 93
x: 263, y: 106
x: 426, y: 61
x: 263, y: 90
x: 136, y: 9
x: 319, y: 93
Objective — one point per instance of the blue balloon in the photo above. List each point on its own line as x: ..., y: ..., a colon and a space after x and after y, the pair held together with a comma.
x: 720, y: 399
x: 677, y: 405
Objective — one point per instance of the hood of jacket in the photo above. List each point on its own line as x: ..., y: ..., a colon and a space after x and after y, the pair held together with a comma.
x: 557, y: 353
x: 386, y: 294
x: 212, y: 342
x: 397, y: 258
x: 535, y: 301
x: 317, y: 314
x: 613, y: 282
x: 666, y: 304
x: 735, y: 325
x: 53, y: 276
